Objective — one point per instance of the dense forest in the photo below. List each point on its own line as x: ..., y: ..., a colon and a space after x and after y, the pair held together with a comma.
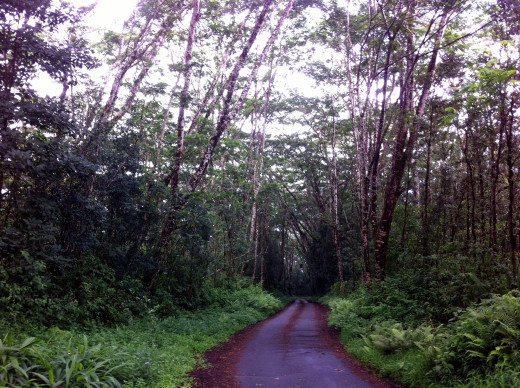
x: 214, y: 149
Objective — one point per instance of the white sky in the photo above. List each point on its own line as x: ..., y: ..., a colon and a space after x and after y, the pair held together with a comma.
x: 109, y: 14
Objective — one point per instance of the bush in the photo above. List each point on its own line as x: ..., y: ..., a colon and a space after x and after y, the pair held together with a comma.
x: 17, y: 361
x: 391, y: 337
x: 499, y: 378
x: 81, y: 365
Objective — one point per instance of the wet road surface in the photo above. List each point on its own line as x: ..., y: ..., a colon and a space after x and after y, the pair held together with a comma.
x: 293, y: 349
x: 289, y: 352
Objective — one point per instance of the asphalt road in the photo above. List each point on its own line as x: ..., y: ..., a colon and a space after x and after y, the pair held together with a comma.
x: 289, y: 351
x: 293, y: 349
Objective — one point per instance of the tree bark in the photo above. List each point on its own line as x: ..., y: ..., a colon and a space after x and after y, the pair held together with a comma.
x: 139, y: 50
x: 335, y: 205
x: 496, y: 156
x: 258, y: 159
x: 206, y: 103
x: 507, y: 118
x: 426, y: 195
x: 227, y: 115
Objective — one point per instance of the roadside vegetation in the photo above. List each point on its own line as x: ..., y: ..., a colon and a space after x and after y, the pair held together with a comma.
x: 149, y: 351
x: 432, y: 328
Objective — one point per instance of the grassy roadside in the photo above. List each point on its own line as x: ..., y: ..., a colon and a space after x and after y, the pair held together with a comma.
x: 145, y: 353
x: 392, y: 332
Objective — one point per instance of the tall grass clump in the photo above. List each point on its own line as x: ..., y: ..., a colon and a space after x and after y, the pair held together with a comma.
x: 80, y: 364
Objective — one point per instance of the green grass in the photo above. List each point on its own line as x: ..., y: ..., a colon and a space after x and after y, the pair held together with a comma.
x: 148, y: 352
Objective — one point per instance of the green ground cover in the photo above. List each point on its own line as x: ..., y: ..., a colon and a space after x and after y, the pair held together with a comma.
x: 147, y: 352
x: 395, y: 328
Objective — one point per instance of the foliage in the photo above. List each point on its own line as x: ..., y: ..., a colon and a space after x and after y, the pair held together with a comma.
x: 390, y: 337
x: 80, y: 365
x: 150, y: 352
x: 85, y: 179
x: 486, y: 336
x: 17, y: 361
x: 478, y: 347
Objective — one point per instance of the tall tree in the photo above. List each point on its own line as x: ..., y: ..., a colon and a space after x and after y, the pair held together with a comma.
x: 228, y: 113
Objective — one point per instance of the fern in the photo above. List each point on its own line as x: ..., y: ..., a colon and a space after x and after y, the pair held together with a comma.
x: 489, y: 335
x: 390, y: 337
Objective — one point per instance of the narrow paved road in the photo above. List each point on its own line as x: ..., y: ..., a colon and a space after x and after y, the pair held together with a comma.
x: 293, y: 349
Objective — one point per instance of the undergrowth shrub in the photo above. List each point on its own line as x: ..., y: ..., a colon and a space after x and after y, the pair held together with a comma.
x: 17, y: 361
x: 498, y: 378
x: 480, y: 347
x: 390, y: 337
x: 81, y: 365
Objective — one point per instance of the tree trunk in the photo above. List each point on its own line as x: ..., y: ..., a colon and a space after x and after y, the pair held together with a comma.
x: 138, y: 51
x: 258, y: 159
x: 507, y: 119
x: 227, y: 115
x: 496, y: 156
x: 228, y: 112
x: 262, y: 252
x: 206, y: 103
x: 334, y: 209
x: 281, y: 273
x: 403, y: 148
x: 177, y: 203
x: 426, y: 195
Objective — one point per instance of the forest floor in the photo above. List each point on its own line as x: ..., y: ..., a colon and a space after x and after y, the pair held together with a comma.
x: 293, y: 348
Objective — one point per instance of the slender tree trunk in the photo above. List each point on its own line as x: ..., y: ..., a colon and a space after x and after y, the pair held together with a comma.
x: 258, y: 159
x: 281, y: 274
x: 226, y: 116
x: 177, y: 203
x: 405, y: 216
x: 139, y: 50
x: 334, y: 205
x: 399, y: 156
x: 469, y: 166
x: 160, y: 140
x: 426, y: 194
x: 206, y: 104
x: 231, y: 250
x: 496, y: 156
x: 361, y: 152
x: 262, y: 251
x: 255, y: 252
x: 507, y: 119
x: 229, y: 112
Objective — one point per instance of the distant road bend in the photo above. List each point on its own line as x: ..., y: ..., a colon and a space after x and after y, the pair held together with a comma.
x: 293, y: 349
